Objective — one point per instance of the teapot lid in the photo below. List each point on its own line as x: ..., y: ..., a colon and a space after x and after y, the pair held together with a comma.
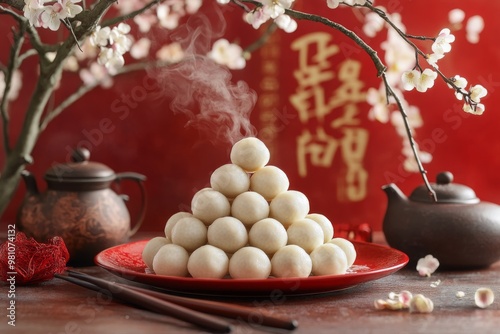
x: 80, y: 170
x: 446, y: 191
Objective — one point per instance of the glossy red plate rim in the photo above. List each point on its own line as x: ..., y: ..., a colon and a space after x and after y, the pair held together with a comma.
x: 372, y: 262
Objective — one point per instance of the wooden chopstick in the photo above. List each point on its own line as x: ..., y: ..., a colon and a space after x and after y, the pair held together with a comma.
x: 151, y: 303
x: 246, y: 314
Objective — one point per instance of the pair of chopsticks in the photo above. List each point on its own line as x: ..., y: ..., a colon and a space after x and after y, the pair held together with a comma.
x: 194, y: 311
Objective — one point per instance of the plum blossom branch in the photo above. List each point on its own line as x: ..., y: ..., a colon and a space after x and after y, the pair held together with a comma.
x: 422, y: 79
x: 381, y: 68
x: 390, y: 92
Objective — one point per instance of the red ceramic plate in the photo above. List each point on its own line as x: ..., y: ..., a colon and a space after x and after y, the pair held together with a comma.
x: 372, y: 262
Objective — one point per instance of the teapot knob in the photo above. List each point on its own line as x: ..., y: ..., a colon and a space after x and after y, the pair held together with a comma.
x: 444, y: 178
x: 80, y: 155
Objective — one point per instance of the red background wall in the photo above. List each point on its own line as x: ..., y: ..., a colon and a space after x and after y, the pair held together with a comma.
x: 145, y: 136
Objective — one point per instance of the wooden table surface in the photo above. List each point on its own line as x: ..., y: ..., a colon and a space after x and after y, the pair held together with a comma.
x: 58, y: 307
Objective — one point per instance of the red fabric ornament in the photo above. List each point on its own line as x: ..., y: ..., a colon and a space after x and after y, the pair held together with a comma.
x: 32, y: 261
x: 361, y: 232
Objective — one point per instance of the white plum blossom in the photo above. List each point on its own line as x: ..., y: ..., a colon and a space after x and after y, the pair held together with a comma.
x: 52, y: 15
x: 460, y: 83
x: 118, y: 38
x: 71, y: 9
x: 354, y: 2
x: 474, y: 27
x: 433, y: 58
x: 286, y: 23
x: 48, y: 14
x: 111, y: 59
x: 427, y: 265
x: 96, y: 74
x: 100, y: 37
x: 377, y: 99
x: 410, y: 79
x: 33, y: 10
x: 373, y: 24
x: 420, y: 81
x: 172, y: 53
x: 398, y: 57
x: 113, y: 43
x: 167, y: 18
x: 477, y: 109
x: 192, y: 6
x: 275, y: 8
x: 456, y: 16
x: 140, y: 49
x: 225, y: 53
x: 477, y: 92
x: 333, y: 3
x: 256, y: 18
x: 442, y: 43
x: 145, y: 22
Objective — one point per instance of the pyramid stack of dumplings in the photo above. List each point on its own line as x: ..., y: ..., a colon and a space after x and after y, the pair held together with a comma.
x: 248, y: 224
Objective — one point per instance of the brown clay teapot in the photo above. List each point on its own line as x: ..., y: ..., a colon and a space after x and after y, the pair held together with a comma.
x: 80, y: 207
x: 458, y: 229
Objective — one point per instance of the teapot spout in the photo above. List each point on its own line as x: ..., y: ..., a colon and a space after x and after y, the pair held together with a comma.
x: 394, y: 194
x: 30, y: 182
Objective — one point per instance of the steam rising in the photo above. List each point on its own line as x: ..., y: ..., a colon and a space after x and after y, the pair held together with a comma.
x: 203, y: 90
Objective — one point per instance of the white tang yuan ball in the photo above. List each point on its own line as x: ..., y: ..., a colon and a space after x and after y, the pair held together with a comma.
x: 250, y: 207
x: 291, y: 261
x: 250, y: 154
x: 348, y: 249
x: 325, y: 224
x: 207, y: 205
x: 171, y: 260
x: 230, y: 180
x: 289, y: 206
x: 249, y: 262
x: 189, y: 233
x: 208, y: 262
x: 228, y: 234
x: 305, y: 233
x: 328, y: 259
x: 151, y: 248
x: 268, y: 234
x: 269, y: 181
x: 172, y: 221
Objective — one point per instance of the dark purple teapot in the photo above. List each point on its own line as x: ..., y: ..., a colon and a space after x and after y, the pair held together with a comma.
x: 458, y: 229
x: 79, y: 206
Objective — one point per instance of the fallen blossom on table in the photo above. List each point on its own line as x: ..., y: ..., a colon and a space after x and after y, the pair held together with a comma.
x: 427, y: 266
x: 421, y: 304
x: 405, y: 300
x: 484, y: 297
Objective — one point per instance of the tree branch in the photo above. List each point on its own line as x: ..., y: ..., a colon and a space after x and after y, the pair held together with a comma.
x: 262, y: 39
x: 9, y: 73
x: 17, y: 4
x: 423, y: 172
x: 381, y: 68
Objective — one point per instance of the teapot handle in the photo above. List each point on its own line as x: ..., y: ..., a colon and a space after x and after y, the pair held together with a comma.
x: 139, y: 178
